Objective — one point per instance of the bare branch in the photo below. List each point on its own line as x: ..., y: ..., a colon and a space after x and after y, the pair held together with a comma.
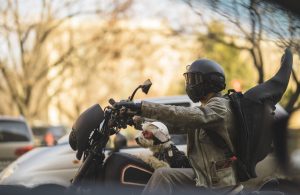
x: 120, y: 7
x: 61, y: 59
x: 63, y: 20
x: 13, y: 92
x: 235, y: 22
x: 227, y: 43
x: 25, y: 35
x: 295, y: 78
x: 63, y: 110
x: 19, y: 35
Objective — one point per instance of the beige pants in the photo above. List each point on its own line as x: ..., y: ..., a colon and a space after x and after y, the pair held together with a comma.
x: 171, y: 181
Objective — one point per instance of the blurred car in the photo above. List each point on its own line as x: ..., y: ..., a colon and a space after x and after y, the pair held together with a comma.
x: 16, y: 138
x: 48, y: 135
x: 57, y: 165
x: 54, y: 165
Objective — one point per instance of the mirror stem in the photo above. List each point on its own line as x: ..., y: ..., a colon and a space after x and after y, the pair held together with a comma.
x: 133, y: 94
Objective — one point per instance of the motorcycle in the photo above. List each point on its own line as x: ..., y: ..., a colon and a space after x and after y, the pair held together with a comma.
x: 89, y: 136
x: 118, y: 171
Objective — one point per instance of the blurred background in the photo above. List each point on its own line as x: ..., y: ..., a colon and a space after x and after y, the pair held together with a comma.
x: 59, y: 57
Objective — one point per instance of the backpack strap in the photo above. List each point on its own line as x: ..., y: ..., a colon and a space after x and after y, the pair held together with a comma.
x: 220, y: 142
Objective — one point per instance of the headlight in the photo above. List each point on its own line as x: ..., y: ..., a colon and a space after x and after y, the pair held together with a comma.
x: 8, y: 172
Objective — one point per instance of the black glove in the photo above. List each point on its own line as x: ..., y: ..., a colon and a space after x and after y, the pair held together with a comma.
x: 135, y: 107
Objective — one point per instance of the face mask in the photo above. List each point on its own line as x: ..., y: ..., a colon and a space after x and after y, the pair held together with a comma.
x: 194, y: 93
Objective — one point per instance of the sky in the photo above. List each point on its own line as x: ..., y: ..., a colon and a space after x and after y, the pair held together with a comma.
x: 177, y: 12
x: 174, y: 11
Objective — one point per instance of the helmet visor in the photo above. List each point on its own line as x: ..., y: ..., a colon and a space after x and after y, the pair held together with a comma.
x: 192, y: 78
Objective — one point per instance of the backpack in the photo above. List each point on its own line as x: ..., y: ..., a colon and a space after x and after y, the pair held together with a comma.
x: 254, y: 114
x: 254, y: 137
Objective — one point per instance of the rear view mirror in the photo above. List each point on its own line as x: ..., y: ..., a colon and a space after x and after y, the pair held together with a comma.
x: 146, y: 86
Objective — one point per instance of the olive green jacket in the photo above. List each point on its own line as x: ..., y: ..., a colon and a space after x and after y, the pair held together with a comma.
x: 204, y: 156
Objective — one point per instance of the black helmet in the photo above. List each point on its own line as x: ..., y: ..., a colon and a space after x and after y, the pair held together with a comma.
x: 203, y: 77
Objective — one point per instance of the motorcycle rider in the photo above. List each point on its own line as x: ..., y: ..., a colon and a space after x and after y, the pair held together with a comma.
x: 211, y: 166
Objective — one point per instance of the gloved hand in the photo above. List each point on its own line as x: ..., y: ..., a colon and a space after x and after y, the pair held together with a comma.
x: 134, y: 107
x: 138, y: 122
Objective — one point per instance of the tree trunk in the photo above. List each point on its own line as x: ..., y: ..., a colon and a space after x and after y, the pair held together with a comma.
x: 258, y: 65
x: 290, y: 105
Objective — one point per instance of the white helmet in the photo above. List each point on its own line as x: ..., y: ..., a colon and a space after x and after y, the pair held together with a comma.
x: 160, y: 139
x: 159, y: 130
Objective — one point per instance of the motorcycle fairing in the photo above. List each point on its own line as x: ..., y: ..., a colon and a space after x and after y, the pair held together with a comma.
x: 86, y: 123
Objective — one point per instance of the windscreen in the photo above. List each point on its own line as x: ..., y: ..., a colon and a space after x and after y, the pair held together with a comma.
x: 13, y: 131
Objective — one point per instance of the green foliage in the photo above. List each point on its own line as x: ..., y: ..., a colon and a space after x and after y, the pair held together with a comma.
x: 236, y: 69
x: 287, y: 96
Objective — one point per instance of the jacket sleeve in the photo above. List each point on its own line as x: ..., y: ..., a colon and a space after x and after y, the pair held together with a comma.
x: 181, y: 119
x: 139, y: 121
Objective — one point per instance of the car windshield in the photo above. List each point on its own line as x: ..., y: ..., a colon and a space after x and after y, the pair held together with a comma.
x: 39, y: 131
x: 13, y: 131
x: 58, y: 131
